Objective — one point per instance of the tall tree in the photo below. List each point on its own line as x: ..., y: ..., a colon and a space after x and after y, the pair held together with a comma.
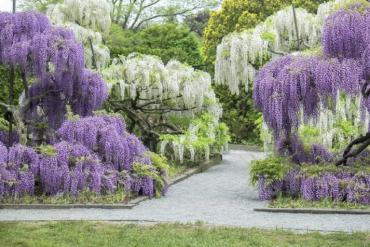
x: 240, y: 55
x: 198, y: 21
x: 51, y: 65
x: 168, y: 41
x: 91, y: 151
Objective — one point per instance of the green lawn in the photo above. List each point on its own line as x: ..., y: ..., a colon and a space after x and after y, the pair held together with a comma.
x: 80, y: 233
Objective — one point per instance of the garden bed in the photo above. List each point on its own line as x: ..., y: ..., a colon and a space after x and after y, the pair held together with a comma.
x: 115, y: 201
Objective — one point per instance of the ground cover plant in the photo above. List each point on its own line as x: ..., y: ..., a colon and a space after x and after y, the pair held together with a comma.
x: 79, y: 233
x: 297, y: 89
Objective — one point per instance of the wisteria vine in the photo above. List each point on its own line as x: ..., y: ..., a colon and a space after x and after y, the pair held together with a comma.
x: 295, y: 89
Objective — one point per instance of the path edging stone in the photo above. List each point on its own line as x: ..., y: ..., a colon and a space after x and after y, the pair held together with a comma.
x: 132, y: 203
x: 312, y: 211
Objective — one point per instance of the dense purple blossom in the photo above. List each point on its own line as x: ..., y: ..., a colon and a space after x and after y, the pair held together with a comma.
x: 17, y: 169
x: 92, y: 153
x: 342, y: 186
x: 55, y: 59
x: 4, y: 137
x: 106, y: 135
x: 287, y: 86
x: 142, y: 182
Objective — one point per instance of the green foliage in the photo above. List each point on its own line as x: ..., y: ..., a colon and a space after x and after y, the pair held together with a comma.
x: 162, y: 168
x: 37, y: 4
x: 205, y: 127
x: 268, y: 36
x: 47, y: 150
x: 239, y: 115
x: 168, y: 41
x: 197, y: 22
x: 341, y: 128
x: 4, y: 86
x: 273, y: 167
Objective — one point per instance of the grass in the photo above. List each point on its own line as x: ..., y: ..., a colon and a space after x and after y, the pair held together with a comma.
x: 81, y: 233
x: 85, y: 197
x: 289, y: 202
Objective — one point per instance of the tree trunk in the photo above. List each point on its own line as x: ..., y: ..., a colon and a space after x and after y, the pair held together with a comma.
x: 21, y: 128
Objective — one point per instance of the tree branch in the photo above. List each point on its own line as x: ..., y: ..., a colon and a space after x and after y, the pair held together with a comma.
x: 277, y: 52
x: 168, y: 125
x: 365, y: 140
x: 161, y: 15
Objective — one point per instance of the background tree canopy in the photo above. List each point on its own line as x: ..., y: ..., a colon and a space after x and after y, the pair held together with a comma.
x: 167, y: 41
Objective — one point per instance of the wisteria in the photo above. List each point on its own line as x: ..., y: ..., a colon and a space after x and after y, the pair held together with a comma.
x: 145, y: 85
x: 107, y: 136
x: 52, y: 58
x: 310, y: 89
x: 90, y: 152
x: 339, y: 186
x: 18, y: 169
x: 96, y: 154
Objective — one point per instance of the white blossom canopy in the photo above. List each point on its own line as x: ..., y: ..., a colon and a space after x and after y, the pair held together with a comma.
x: 173, y: 89
x: 146, y: 77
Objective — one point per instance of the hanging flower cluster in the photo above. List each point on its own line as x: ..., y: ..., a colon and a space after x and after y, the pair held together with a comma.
x: 172, y: 90
x: 303, y: 83
x: 96, y: 154
x: 54, y: 60
x: 84, y: 18
x: 147, y: 78
x: 90, y: 153
x: 298, y: 89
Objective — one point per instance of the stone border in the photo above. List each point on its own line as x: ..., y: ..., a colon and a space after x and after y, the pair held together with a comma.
x: 245, y: 148
x: 132, y: 203
x: 312, y: 211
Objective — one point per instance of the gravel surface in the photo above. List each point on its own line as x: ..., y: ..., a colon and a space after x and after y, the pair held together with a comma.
x: 219, y: 196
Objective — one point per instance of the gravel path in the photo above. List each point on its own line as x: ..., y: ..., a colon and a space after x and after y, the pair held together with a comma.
x: 219, y: 196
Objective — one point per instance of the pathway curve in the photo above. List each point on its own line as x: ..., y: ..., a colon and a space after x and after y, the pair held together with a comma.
x: 219, y: 196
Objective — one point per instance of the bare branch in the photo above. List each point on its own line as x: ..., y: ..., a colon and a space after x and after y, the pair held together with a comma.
x: 365, y: 140
x: 161, y: 15
x: 278, y: 52
x: 6, y: 106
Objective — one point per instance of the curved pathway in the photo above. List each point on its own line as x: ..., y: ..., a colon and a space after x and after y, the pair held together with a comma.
x: 220, y: 196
